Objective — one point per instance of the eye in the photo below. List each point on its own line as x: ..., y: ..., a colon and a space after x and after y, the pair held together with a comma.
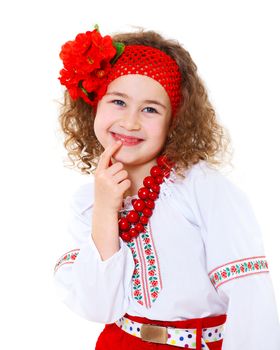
x: 118, y: 102
x: 151, y: 110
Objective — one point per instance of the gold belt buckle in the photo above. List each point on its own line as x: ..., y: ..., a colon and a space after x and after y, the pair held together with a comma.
x: 153, y: 333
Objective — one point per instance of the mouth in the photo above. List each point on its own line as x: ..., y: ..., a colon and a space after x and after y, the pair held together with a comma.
x: 126, y: 140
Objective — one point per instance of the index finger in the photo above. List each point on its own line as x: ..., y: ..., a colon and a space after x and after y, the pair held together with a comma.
x: 107, y: 154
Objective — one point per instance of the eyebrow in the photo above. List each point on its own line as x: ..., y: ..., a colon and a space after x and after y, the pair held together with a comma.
x: 121, y: 94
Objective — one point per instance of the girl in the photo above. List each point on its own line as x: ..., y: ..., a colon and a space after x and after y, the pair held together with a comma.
x: 165, y: 250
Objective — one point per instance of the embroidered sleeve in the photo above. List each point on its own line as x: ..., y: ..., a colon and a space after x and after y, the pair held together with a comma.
x: 232, y: 236
x: 97, y: 290
x: 236, y: 263
x: 237, y: 269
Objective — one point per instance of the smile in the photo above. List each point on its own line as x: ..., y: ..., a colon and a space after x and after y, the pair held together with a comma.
x: 127, y: 141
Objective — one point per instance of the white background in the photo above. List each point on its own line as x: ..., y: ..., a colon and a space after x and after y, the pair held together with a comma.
x: 235, y: 45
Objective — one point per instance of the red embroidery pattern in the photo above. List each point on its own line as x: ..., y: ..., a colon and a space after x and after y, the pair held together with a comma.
x: 67, y: 258
x: 146, y: 278
x: 238, y: 268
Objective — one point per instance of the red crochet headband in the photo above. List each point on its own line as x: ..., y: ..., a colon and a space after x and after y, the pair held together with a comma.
x: 91, y: 62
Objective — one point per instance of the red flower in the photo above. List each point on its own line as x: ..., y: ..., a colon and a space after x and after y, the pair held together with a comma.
x: 151, y: 262
x: 154, y: 294
x: 154, y: 283
x: 233, y: 269
x: 86, y: 63
x: 148, y: 251
x: 151, y: 272
x: 136, y: 293
x: 224, y: 274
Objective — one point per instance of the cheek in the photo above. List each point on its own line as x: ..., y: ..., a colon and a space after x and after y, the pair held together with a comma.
x: 157, y: 130
x: 102, y: 121
x: 99, y: 128
x: 96, y: 125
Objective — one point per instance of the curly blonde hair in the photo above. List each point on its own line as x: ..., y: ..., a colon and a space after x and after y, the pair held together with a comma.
x: 194, y: 135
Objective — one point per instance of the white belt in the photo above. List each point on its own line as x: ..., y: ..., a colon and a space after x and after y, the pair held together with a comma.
x: 182, y: 337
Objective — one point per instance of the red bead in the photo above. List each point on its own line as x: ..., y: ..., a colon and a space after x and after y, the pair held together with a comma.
x: 143, y: 193
x: 124, y: 225
x: 145, y: 203
x: 156, y: 188
x: 159, y: 179
x: 153, y: 195
x: 125, y: 236
x: 139, y: 227
x: 148, y: 181
x: 144, y: 220
x: 166, y: 173
x: 150, y: 203
x: 133, y: 232
x: 147, y: 212
x: 133, y: 216
x: 139, y: 204
x: 162, y: 161
x: 156, y: 171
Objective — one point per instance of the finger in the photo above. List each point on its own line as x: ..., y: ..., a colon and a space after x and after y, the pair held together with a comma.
x: 120, y: 176
x: 124, y: 185
x: 114, y: 168
x: 107, y: 154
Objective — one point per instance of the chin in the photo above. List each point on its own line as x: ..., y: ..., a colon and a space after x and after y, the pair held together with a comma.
x: 127, y: 157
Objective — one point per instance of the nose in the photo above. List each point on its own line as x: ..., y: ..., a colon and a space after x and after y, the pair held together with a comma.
x: 130, y: 120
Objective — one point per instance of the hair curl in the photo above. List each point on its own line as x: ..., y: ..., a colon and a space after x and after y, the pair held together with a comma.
x: 194, y: 135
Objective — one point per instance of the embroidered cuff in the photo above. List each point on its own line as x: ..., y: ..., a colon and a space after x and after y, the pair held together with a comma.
x: 70, y: 256
x: 67, y: 258
x: 238, y: 268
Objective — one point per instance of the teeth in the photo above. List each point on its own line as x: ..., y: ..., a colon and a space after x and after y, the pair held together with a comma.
x: 127, y: 140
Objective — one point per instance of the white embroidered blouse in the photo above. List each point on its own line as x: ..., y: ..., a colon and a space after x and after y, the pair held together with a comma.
x: 202, y: 255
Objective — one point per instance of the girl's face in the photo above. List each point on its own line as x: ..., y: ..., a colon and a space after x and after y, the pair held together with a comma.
x: 136, y: 106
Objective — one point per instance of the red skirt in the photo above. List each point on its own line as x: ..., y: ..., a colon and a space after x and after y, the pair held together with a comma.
x: 113, y: 337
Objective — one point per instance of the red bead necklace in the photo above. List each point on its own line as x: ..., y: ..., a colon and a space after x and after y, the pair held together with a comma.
x: 135, y: 221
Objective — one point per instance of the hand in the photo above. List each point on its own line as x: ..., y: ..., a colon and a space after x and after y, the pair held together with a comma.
x: 111, y: 182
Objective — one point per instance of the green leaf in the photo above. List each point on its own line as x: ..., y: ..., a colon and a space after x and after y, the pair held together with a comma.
x: 84, y: 91
x: 80, y: 85
x: 120, y: 49
x: 96, y: 27
x: 153, y: 278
